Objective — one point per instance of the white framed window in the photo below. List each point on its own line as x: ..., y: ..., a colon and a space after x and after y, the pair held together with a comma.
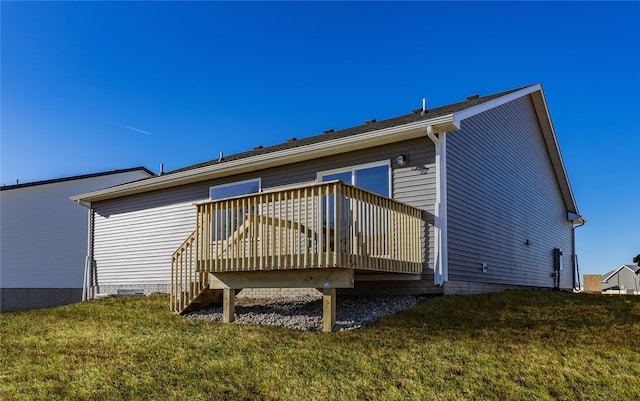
x: 374, y: 177
x: 237, y: 188
x: 227, y: 221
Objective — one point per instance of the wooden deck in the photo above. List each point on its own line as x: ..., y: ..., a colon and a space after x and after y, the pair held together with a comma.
x: 295, y: 233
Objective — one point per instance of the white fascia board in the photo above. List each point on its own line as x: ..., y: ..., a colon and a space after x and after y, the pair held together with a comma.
x: 576, y: 218
x: 266, y: 160
x: 544, y: 118
x: 616, y: 272
x: 554, y: 151
x: 482, y: 107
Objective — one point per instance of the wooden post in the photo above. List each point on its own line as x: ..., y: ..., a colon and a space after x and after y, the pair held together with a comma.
x: 228, y: 305
x: 328, y: 309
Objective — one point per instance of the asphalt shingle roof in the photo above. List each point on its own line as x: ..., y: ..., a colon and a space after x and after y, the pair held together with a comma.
x: 360, y: 129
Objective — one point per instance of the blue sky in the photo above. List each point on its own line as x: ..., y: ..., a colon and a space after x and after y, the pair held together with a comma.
x: 95, y: 86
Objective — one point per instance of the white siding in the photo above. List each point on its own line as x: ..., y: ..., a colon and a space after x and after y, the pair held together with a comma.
x: 43, y: 234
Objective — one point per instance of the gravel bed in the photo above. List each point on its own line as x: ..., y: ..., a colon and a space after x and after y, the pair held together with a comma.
x: 305, y: 312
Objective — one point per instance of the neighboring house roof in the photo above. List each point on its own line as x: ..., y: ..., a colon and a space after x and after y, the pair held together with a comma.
x: 373, y: 133
x: 607, y: 276
x: 75, y: 177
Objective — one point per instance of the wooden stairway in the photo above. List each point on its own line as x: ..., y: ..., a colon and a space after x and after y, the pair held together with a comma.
x: 190, y: 288
x: 206, y: 298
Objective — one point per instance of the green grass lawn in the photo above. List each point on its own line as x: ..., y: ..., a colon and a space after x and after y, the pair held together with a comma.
x: 511, y: 345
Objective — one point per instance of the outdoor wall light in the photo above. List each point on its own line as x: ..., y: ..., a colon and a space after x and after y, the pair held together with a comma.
x: 402, y: 160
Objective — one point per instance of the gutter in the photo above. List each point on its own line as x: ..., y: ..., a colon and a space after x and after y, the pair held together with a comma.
x: 271, y: 159
x: 440, y: 271
x: 81, y: 202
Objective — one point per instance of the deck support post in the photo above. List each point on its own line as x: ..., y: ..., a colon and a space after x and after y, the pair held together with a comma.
x: 328, y: 309
x: 228, y: 305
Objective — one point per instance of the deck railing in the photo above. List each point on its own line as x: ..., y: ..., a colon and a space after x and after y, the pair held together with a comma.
x: 331, y: 224
x: 186, y: 282
x: 324, y: 225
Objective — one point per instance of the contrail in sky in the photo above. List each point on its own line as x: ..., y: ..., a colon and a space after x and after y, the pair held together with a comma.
x: 136, y: 129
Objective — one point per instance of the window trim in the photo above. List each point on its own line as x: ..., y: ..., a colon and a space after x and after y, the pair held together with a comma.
x: 229, y: 184
x: 353, y: 169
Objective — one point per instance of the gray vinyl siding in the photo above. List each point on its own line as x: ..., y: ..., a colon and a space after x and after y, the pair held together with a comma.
x: 501, y: 192
x: 624, y: 279
x: 17, y: 299
x: 136, y: 235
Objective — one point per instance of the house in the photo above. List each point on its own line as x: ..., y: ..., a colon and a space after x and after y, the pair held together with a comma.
x: 625, y: 279
x: 43, y: 238
x: 465, y: 198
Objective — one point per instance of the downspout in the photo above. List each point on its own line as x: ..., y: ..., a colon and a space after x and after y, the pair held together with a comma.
x: 440, y: 271
x: 87, y: 281
x: 576, y: 269
x: 85, y: 290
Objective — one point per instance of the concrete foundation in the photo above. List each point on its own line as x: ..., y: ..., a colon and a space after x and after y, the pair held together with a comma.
x: 468, y: 288
x: 17, y: 299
